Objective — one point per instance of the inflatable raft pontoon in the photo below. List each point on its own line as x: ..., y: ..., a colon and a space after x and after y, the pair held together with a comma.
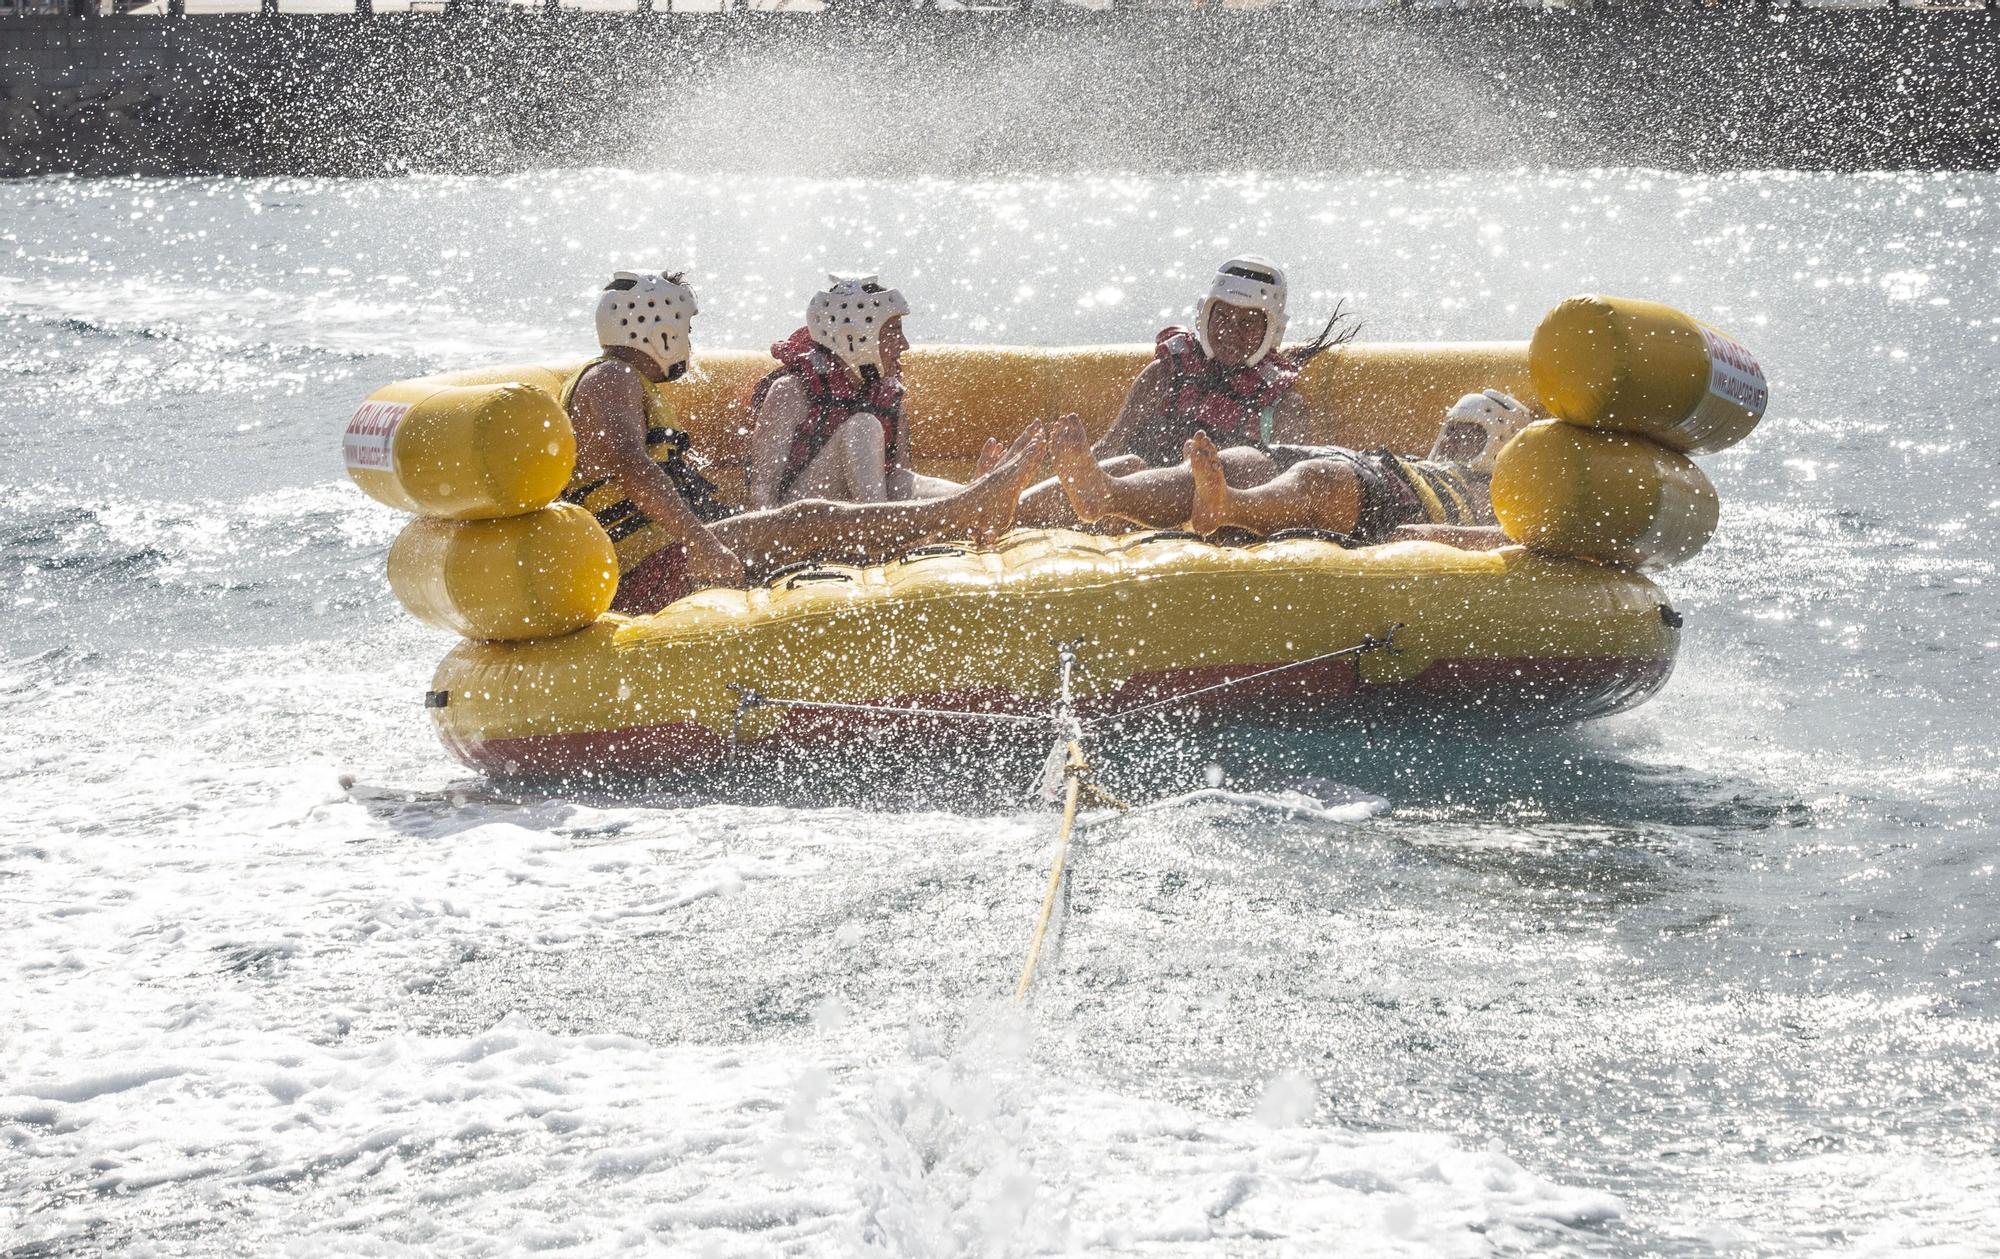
x: 1563, y: 626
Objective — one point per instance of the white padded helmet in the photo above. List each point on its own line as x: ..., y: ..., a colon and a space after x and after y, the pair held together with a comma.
x: 1494, y: 416
x: 648, y: 312
x: 847, y: 318
x: 1254, y: 283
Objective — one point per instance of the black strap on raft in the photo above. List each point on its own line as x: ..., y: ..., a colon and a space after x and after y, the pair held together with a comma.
x: 1344, y: 540
x: 749, y: 699
x: 1367, y: 644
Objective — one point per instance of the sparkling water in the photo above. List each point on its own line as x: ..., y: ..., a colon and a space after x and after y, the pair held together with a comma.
x: 1715, y: 976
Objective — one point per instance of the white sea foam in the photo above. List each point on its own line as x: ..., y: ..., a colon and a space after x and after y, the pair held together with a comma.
x: 1722, y: 963
x: 208, y: 1022
x: 337, y: 315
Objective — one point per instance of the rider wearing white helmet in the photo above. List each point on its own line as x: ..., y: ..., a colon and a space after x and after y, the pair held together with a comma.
x: 1252, y: 282
x: 644, y: 322
x: 829, y: 421
x: 1228, y: 377
x: 1366, y: 496
x: 651, y: 313
x: 853, y: 319
x: 668, y: 523
x: 1476, y: 427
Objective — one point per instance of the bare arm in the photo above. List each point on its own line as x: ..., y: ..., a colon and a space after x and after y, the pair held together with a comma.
x: 608, y: 413
x: 1144, y: 401
x: 901, y: 482
x: 1292, y: 425
x: 771, y: 430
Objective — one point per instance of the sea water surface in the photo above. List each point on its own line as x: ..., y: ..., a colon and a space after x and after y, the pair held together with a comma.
x: 1714, y: 977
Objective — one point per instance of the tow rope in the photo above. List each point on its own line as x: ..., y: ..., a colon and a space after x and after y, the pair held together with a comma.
x: 1069, y: 749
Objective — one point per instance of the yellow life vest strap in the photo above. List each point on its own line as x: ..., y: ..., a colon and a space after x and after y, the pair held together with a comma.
x: 633, y: 534
x: 1445, y: 497
x: 575, y: 378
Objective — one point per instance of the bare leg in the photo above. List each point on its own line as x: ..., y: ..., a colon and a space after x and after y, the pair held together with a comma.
x: 1318, y: 494
x: 989, y: 458
x: 1078, y: 494
x: 770, y: 448
x: 849, y: 467
x: 922, y: 486
x: 1158, y: 498
x: 1046, y: 506
x: 817, y: 529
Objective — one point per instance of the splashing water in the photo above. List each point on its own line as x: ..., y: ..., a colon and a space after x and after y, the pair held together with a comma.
x: 1713, y: 976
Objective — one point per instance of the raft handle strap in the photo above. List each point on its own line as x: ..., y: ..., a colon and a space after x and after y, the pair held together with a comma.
x: 1367, y: 644
x: 748, y: 700
x: 936, y: 550
x: 796, y: 566
x: 1308, y: 531
x: 816, y: 575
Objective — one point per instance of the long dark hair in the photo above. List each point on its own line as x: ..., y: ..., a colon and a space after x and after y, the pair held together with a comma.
x: 1341, y: 328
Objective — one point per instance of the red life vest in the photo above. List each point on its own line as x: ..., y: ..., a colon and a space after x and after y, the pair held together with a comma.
x: 1227, y: 403
x: 832, y: 396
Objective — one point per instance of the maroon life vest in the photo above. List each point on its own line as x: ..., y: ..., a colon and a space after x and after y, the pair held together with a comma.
x: 832, y: 397
x: 1227, y: 403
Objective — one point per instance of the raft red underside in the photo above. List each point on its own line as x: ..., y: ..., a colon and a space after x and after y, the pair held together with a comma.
x: 1521, y: 693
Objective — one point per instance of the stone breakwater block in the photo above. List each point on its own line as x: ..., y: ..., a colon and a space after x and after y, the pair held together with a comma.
x: 21, y: 122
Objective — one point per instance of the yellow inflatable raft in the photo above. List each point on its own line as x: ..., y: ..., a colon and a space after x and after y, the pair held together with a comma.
x: 1559, y: 629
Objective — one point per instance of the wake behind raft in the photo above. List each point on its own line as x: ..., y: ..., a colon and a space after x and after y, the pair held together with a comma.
x: 1562, y: 626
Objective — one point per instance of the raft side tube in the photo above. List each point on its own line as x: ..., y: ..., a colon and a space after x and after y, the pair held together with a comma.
x: 461, y: 452
x: 1608, y: 497
x: 1541, y: 641
x: 544, y: 574
x: 1634, y: 366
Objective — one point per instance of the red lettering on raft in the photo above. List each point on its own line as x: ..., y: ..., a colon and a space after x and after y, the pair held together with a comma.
x: 369, y: 443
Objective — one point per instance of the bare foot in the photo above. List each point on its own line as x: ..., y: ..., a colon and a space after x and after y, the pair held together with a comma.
x: 1211, y: 492
x: 990, y: 456
x: 1086, y: 485
x: 987, y: 505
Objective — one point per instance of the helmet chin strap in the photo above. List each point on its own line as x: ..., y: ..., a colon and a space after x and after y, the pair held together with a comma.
x: 1209, y: 345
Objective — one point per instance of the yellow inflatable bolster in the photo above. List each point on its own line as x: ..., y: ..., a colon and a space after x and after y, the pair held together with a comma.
x: 534, y: 576
x: 1640, y: 367
x: 1562, y: 490
x: 462, y: 452
x: 1559, y: 639
x: 1364, y: 395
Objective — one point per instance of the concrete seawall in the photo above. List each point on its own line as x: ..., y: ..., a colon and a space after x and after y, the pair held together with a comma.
x: 970, y: 93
